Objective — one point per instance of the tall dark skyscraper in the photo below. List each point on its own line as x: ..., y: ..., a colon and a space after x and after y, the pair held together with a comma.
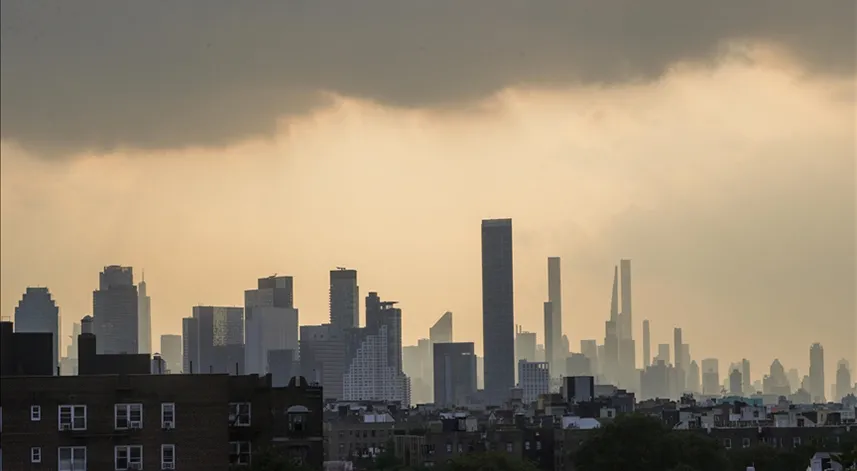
x: 114, y: 311
x: 344, y: 299
x: 554, y: 351
x: 498, y: 312
x: 37, y: 312
x: 647, y: 345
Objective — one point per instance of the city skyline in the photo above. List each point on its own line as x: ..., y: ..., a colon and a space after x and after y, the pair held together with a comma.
x: 758, y: 372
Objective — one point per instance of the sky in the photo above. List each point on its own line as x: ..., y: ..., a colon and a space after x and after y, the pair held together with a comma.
x: 209, y: 145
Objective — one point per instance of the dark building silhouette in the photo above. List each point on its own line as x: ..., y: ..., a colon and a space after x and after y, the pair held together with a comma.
x: 25, y: 353
x: 110, y: 422
x: 344, y: 299
x: 322, y: 357
x: 454, y: 373
x: 282, y: 366
x: 92, y: 363
x: 114, y: 311
x: 498, y: 315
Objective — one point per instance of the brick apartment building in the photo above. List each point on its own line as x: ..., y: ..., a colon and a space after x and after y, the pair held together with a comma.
x: 155, y: 422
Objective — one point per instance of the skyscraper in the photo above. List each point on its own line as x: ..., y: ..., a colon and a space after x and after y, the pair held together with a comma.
x: 374, y: 360
x: 144, y: 316
x: 322, y: 357
x: 454, y: 373
x: 550, y: 347
x: 114, y: 311
x: 647, y: 347
x: 816, y: 373
x: 711, y: 377
x: 533, y: 379
x: 271, y: 322
x: 553, y: 337
x: 441, y: 331
x: 344, y: 299
x: 745, y: 377
x: 171, y: 352
x: 190, y: 345
x: 220, y: 339
x: 37, y: 312
x: 498, y: 311
x: 843, y: 380
x: 680, y: 367
x: 627, y: 318
x: 525, y: 345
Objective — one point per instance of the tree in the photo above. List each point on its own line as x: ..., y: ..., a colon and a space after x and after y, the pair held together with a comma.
x: 847, y: 456
x: 488, y: 461
x: 645, y: 444
x: 269, y: 459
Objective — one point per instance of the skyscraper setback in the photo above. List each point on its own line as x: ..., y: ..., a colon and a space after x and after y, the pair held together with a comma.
x: 498, y: 311
x: 114, y: 311
x: 271, y: 322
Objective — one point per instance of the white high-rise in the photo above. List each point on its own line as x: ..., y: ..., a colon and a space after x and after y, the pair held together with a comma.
x: 37, y: 312
x: 271, y: 322
x: 533, y: 379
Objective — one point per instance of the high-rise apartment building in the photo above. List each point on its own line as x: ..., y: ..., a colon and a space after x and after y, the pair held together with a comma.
x: 711, y: 377
x: 747, y: 385
x: 525, y: 345
x: 37, y: 312
x: 323, y: 357
x: 498, y: 309
x: 374, y: 356
x: 171, y: 352
x: 219, y: 338
x: 114, y: 311
x: 533, y: 379
x: 271, y: 322
x: 144, y: 317
x: 454, y: 373
x: 344, y: 299
x: 553, y: 326
x: 816, y: 373
x: 736, y: 383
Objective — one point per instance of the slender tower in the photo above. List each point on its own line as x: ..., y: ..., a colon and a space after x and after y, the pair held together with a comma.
x: 647, y: 346
x: 555, y: 356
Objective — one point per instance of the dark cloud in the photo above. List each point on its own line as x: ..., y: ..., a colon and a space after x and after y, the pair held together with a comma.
x: 101, y: 74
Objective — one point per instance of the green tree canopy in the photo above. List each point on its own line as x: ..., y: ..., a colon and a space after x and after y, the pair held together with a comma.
x: 488, y: 461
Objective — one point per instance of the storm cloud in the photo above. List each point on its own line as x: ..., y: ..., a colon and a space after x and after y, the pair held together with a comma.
x: 100, y: 75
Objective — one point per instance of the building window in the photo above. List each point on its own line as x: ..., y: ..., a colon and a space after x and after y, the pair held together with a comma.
x: 727, y: 443
x: 35, y: 455
x: 527, y: 445
x: 796, y: 442
x: 168, y: 457
x: 71, y: 458
x: 239, y: 453
x: 239, y: 414
x: 128, y: 416
x: 168, y: 416
x: 72, y: 417
x: 745, y: 443
x: 509, y: 447
x: 538, y: 445
x: 449, y: 447
x: 128, y: 457
x: 35, y: 413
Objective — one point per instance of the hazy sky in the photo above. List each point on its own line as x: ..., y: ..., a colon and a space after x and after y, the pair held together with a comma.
x: 210, y: 144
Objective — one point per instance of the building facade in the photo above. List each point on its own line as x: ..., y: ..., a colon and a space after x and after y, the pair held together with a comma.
x: 454, y: 373
x: 37, y: 312
x: 115, y: 311
x: 498, y: 309
x: 344, y: 299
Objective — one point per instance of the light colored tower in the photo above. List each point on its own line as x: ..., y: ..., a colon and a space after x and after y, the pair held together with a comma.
x: 144, y: 317
x: 114, y: 311
x: 556, y: 357
x: 816, y: 373
x: 647, y: 347
x: 627, y: 317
